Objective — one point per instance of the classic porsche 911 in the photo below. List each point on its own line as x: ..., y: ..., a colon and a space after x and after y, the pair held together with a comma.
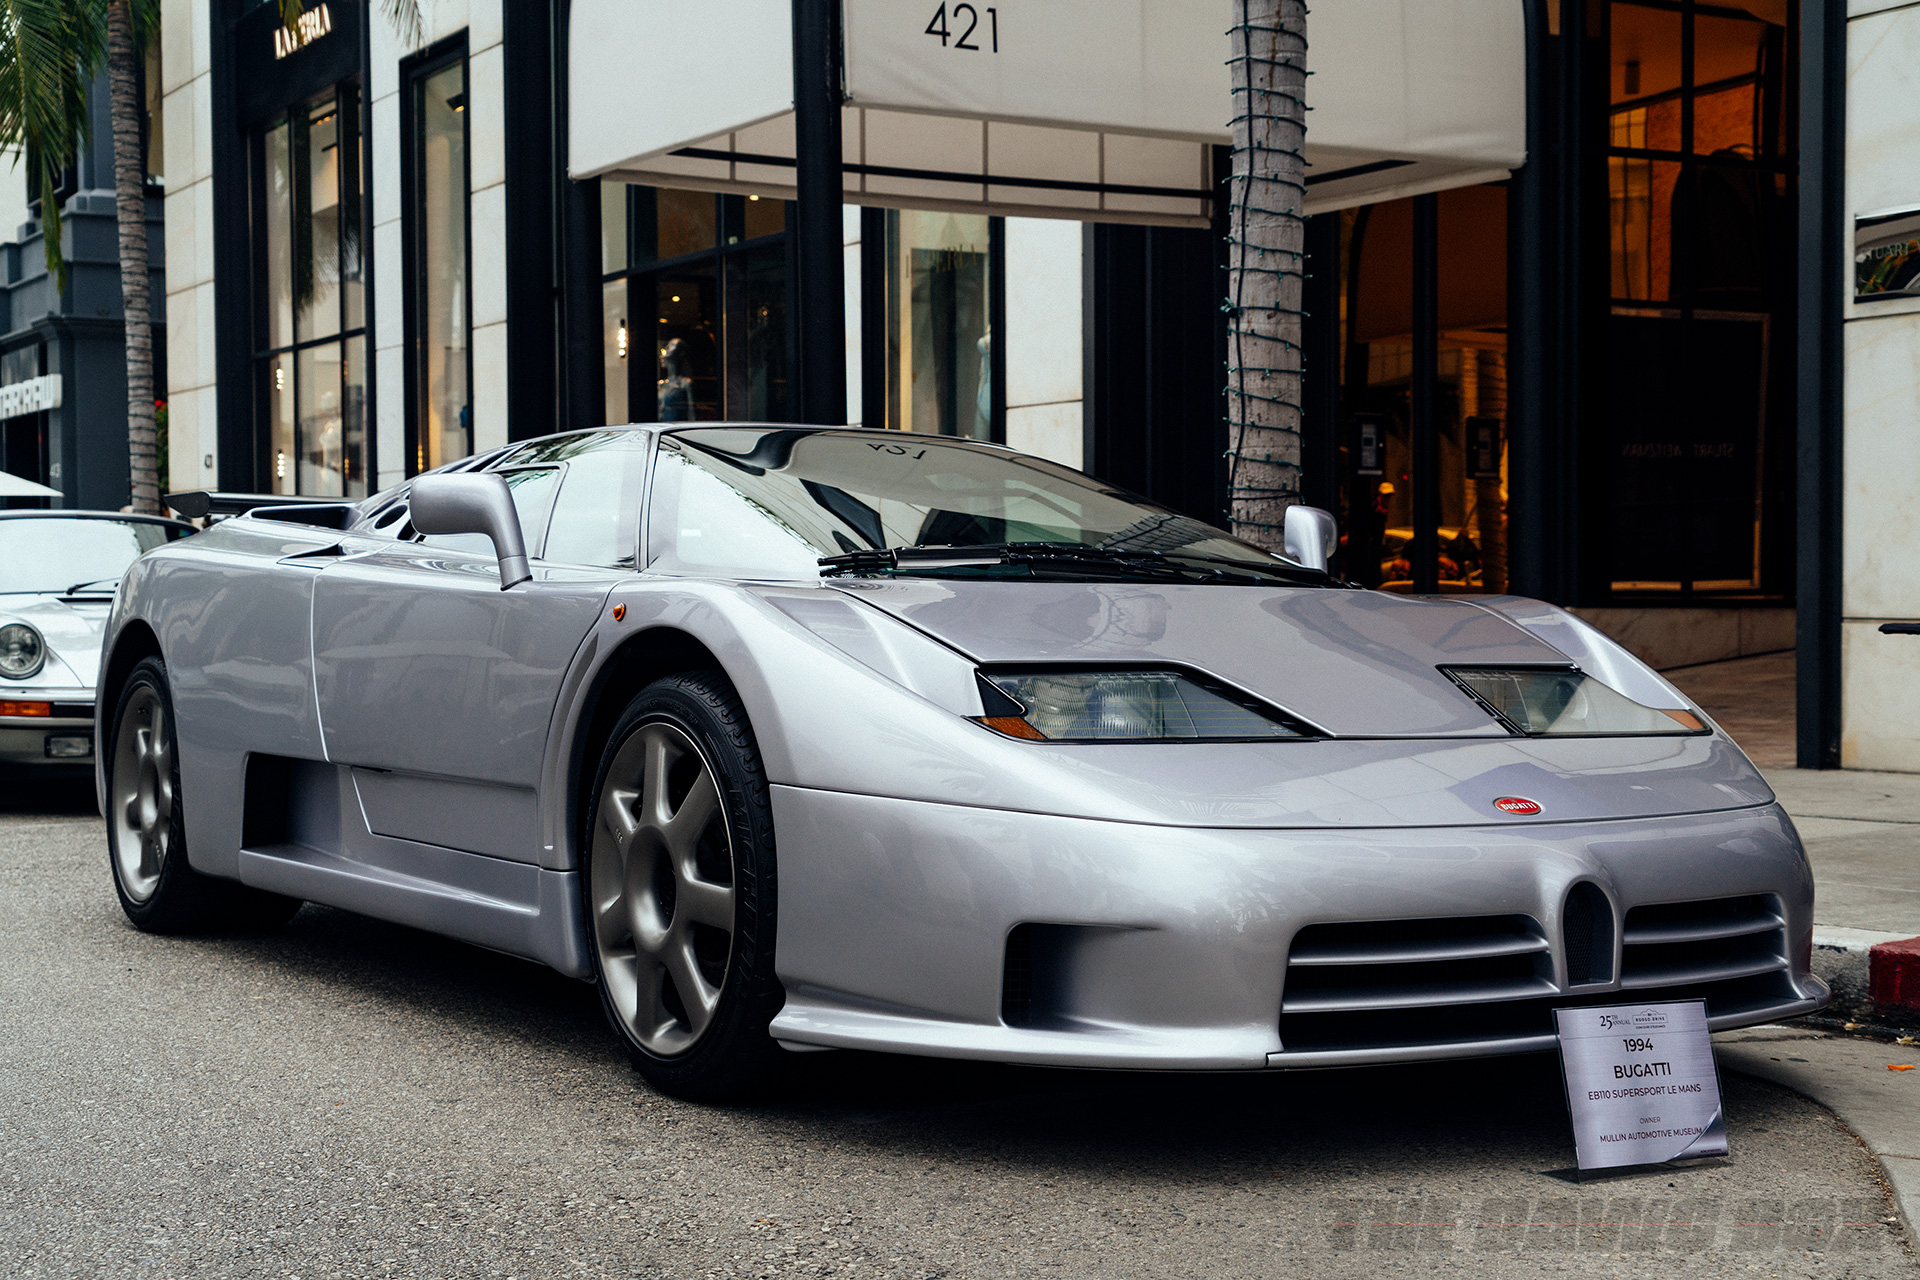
x: 58, y: 570
x: 799, y: 739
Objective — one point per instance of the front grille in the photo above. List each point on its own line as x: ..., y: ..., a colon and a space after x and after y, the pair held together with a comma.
x: 1716, y: 940
x: 1348, y: 981
x: 1486, y: 980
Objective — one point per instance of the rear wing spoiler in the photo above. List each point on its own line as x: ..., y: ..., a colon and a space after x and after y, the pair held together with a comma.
x: 197, y: 504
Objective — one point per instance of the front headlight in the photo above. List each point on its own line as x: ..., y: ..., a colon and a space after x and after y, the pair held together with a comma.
x: 1559, y: 701
x: 22, y: 651
x: 1124, y: 706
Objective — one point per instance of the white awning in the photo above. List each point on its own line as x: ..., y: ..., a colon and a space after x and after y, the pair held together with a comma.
x: 1103, y: 110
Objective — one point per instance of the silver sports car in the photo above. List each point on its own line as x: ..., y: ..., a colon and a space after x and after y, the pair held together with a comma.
x: 58, y: 570
x: 794, y: 739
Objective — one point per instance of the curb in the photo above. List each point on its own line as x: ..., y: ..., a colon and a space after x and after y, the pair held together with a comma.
x: 1893, y: 975
x: 1875, y: 976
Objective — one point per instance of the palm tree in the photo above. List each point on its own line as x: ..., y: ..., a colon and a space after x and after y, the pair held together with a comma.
x: 1266, y: 255
x: 130, y: 24
x: 50, y: 51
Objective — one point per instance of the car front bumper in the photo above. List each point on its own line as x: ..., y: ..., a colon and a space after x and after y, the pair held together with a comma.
x: 975, y: 933
x: 61, y: 740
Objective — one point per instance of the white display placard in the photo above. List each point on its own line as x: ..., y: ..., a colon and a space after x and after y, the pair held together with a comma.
x: 1641, y: 1083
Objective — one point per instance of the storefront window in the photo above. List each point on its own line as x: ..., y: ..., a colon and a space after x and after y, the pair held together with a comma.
x: 939, y: 343
x: 1698, y: 371
x: 310, y: 363
x: 1378, y: 335
x: 694, y: 316
x: 440, y: 272
x: 156, y: 122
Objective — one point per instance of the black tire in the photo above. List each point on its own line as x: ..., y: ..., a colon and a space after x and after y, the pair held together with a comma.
x: 157, y: 886
x: 719, y: 1050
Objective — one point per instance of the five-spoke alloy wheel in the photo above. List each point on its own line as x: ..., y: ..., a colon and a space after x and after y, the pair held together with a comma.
x: 679, y: 889
x: 140, y: 804
x: 146, y: 836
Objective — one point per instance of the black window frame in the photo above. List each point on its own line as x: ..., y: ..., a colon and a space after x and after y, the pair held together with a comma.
x: 729, y: 265
x: 414, y: 72
x: 350, y: 103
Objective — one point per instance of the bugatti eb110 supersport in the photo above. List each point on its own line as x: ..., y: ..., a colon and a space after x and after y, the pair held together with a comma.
x: 794, y: 739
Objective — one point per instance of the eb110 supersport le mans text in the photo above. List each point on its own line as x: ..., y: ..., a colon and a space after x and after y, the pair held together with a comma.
x: 800, y: 738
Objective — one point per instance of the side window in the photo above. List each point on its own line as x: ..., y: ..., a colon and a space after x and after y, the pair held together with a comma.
x: 701, y: 526
x: 596, y: 519
x: 532, y: 495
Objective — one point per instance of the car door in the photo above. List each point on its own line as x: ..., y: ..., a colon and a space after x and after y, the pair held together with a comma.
x: 438, y: 688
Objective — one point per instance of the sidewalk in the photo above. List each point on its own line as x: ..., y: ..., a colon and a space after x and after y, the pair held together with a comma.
x: 1862, y: 830
x: 1862, y: 833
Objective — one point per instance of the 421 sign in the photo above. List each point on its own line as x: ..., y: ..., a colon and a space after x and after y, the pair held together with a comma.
x: 947, y: 25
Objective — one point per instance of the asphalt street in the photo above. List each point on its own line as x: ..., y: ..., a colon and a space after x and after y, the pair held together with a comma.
x: 349, y: 1098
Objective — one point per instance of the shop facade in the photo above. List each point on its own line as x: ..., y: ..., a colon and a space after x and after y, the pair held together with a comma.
x: 1875, y: 328
x: 1559, y: 352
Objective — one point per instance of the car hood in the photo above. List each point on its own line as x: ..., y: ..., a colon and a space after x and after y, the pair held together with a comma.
x: 72, y: 630
x: 1353, y: 663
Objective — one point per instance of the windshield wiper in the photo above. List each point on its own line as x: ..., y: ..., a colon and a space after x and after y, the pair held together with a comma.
x: 1056, y: 559
x: 78, y: 587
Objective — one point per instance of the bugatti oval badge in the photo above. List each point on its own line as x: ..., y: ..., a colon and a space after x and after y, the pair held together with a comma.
x: 1518, y: 806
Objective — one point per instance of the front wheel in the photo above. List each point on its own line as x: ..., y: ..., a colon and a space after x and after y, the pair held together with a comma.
x: 679, y: 887
x: 146, y: 835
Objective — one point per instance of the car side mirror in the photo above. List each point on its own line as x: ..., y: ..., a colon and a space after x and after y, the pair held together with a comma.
x: 473, y: 503
x: 1309, y: 536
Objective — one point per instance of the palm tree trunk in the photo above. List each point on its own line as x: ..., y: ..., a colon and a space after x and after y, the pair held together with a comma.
x: 1266, y: 245
x: 130, y: 198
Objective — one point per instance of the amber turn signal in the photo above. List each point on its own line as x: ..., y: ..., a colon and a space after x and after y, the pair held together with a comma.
x: 1012, y: 726
x: 619, y: 613
x: 26, y: 708
x: 1686, y: 718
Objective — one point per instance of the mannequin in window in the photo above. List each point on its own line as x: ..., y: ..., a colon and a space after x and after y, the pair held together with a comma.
x: 676, y: 388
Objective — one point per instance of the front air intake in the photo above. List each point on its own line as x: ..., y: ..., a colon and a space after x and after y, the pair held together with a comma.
x: 1587, y: 928
x: 1016, y: 978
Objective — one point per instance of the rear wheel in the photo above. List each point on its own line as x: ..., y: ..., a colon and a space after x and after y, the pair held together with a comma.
x: 679, y: 887
x: 146, y: 837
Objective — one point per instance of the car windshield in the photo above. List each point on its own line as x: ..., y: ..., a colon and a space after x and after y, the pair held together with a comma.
x: 777, y: 502
x: 50, y: 554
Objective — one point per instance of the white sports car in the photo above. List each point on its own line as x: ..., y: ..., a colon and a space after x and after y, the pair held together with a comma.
x: 58, y: 571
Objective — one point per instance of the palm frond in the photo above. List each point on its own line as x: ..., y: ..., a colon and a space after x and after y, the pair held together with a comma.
x: 50, y: 51
x: 406, y: 19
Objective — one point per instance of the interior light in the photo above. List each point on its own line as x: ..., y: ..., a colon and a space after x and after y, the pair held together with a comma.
x: 279, y: 377
x: 620, y: 340
x: 676, y: 297
x: 753, y: 197
x: 280, y: 464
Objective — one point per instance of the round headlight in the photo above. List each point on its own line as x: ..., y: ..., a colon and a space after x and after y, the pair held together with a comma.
x: 22, y: 651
